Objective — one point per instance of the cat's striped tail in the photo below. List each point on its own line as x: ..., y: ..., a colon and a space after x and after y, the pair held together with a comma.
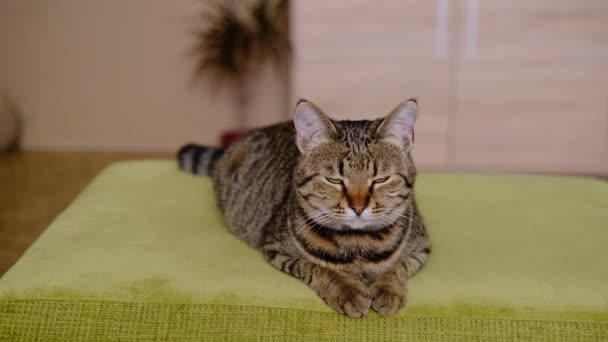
x: 198, y: 159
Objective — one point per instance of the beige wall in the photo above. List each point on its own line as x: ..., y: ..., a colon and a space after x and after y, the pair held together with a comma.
x: 114, y: 74
x: 525, y: 91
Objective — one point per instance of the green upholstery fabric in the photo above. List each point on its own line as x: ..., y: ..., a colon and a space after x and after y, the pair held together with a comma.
x: 142, y: 254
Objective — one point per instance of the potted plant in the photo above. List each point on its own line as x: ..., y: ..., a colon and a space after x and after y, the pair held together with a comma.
x: 238, y: 39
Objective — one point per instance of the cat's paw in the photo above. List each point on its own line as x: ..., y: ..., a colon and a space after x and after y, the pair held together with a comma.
x: 389, y: 297
x: 349, y: 297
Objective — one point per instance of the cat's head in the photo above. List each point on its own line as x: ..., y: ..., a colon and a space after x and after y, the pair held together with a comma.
x: 355, y: 174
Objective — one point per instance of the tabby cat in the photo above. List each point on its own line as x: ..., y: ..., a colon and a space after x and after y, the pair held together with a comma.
x: 328, y: 202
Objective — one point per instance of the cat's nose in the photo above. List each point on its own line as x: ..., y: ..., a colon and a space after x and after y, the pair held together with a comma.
x: 358, y: 209
x: 357, y: 201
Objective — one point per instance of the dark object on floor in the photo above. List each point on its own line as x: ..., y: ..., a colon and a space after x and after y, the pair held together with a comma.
x: 10, y: 124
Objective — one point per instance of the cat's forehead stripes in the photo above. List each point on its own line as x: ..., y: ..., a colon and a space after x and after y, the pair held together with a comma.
x: 356, y: 135
x: 357, y: 161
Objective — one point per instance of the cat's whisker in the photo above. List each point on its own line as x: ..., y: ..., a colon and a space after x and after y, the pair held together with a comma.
x: 313, y: 217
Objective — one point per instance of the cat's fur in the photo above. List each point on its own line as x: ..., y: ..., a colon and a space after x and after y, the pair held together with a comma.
x: 314, y: 196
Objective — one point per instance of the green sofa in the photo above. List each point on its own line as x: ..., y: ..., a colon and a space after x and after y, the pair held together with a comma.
x: 143, y: 254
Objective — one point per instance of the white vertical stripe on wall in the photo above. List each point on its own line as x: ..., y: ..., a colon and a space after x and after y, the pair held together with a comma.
x: 472, y: 27
x: 441, y: 30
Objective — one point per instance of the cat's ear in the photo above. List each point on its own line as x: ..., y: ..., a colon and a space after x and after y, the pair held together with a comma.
x: 313, y: 127
x: 398, y: 127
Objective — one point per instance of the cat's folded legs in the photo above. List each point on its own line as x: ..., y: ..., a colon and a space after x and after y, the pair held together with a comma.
x: 340, y: 291
x: 390, y: 291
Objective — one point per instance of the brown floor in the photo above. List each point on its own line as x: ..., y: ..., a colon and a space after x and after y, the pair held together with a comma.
x: 36, y: 186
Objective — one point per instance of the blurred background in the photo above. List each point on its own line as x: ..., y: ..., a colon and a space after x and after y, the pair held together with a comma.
x: 503, y: 86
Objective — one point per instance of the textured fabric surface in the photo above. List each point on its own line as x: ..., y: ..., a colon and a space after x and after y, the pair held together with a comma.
x: 80, y: 321
x: 142, y: 254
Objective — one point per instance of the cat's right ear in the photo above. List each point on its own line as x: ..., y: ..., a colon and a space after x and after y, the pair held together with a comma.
x: 313, y: 127
x: 398, y: 127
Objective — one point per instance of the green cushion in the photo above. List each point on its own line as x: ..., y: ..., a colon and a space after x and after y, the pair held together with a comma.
x: 142, y: 254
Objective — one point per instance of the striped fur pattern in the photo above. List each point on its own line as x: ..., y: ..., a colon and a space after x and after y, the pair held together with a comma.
x: 198, y: 159
x: 330, y: 203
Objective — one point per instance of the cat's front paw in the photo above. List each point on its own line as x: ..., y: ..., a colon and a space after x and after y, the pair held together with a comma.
x: 389, y: 296
x: 348, y: 296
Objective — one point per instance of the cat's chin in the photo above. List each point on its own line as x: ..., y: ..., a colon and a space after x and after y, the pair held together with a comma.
x: 365, y: 222
x: 361, y: 225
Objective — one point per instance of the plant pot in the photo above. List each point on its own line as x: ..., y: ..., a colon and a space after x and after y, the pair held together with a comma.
x: 229, y: 137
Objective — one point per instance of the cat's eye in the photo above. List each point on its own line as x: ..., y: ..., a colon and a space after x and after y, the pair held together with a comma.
x: 381, y: 180
x: 334, y: 180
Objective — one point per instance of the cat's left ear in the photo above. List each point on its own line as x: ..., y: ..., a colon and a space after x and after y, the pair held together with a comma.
x: 398, y: 127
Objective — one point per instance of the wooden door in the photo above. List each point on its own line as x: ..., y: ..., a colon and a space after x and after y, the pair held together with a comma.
x: 531, y: 87
x: 358, y: 59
